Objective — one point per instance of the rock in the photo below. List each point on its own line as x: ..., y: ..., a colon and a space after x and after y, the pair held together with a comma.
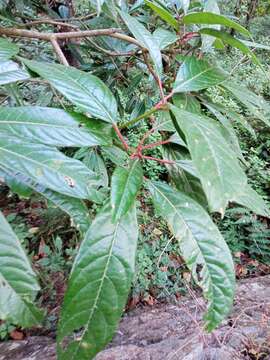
x: 175, y: 332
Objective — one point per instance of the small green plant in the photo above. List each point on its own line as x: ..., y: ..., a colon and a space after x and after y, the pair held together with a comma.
x: 188, y: 134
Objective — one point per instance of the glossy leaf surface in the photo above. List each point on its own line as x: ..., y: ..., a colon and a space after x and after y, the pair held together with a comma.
x: 216, y: 163
x: 10, y: 72
x: 50, y: 126
x: 98, y: 286
x: 195, y: 75
x: 85, y: 91
x: 209, y: 18
x: 18, y: 282
x: 146, y: 39
x: 125, y: 185
x: 51, y: 168
x: 202, y: 246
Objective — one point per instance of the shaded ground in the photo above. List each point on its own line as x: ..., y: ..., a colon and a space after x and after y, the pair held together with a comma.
x: 174, y: 332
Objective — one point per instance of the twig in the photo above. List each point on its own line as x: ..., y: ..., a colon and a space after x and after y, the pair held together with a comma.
x: 162, y: 161
x: 50, y: 22
x: 138, y: 118
x: 59, y: 52
x: 113, y: 32
x: 121, y: 138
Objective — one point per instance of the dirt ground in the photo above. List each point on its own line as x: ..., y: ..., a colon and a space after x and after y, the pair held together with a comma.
x: 174, y: 332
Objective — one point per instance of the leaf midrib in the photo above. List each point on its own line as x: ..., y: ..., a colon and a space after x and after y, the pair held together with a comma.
x: 99, y: 289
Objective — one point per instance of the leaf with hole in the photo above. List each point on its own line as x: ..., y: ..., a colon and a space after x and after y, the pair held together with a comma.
x: 54, y: 127
x: 202, y: 246
x: 51, y: 168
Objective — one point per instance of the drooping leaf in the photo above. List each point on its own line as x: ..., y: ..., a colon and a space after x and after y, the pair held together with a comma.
x: 250, y: 199
x: 202, y: 246
x: 207, y: 41
x: 254, y: 103
x: 18, y: 282
x: 54, y: 127
x: 146, y: 39
x: 125, y: 185
x: 209, y: 18
x: 185, y: 178
x: 115, y: 154
x: 164, y: 37
x: 195, y: 75
x: 51, y: 168
x: 7, y: 49
x: 98, y: 286
x: 227, y: 129
x: 231, y: 40
x: 163, y: 13
x: 216, y: 163
x: 10, y: 72
x: 85, y: 91
x: 73, y: 207
x: 94, y: 162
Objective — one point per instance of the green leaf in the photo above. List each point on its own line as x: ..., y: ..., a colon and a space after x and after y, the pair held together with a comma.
x: 164, y: 38
x: 164, y: 14
x: 85, y: 91
x: 7, y: 49
x: 98, y: 286
x: 250, y: 199
x: 216, y: 163
x: 187, y: 102
x: 126, y: 183
x: 18, y: 187
x: 255, y: 104
x: 10, y: 72
x: 195, y: 75
x: 94, y: 162
x: 146, y: 39
x: 184, y: 177
x: 73, y: 207
x: 54, y: 127
x: 18, y: 282
x: 207, y: 41
x: 209, y: 18
x: 115, y: 154
x: 51, y: 168
x: 97, y: 4
x: 229, y: 39
x: 227, y: 129
x: 202, y: 246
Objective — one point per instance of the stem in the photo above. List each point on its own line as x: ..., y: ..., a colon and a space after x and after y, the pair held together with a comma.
x: 120, y: 136
x: 138, y: 118
x: 155, y: 76
x: 59, y: 52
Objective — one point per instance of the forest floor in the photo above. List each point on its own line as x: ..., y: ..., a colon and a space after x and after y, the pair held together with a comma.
x: 175, y: 331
